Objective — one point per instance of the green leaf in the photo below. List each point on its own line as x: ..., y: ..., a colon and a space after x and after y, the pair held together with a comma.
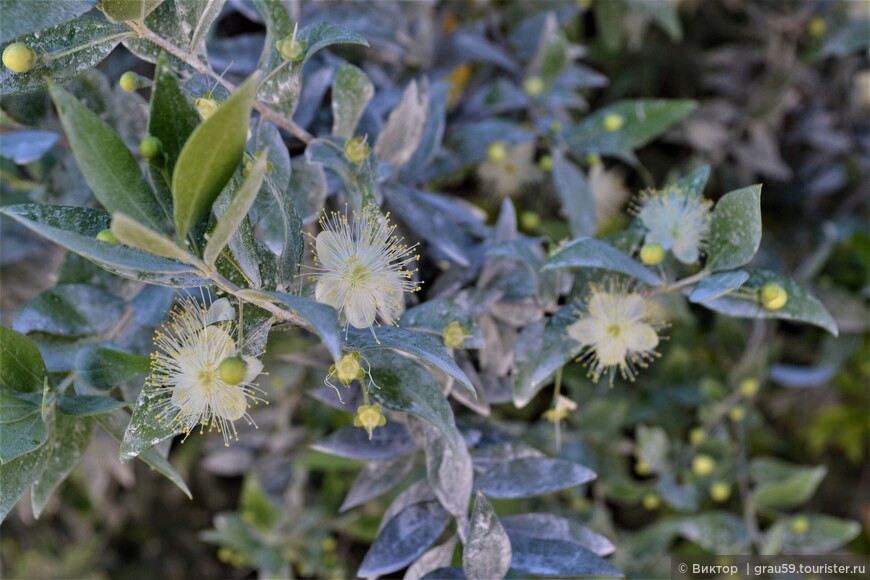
x: 307, y: 188
x: 195, y: 18
x: 23, y: 16
x: 145, y: 431
x: 735, y: 229
x: 75, y: 229
x: 782, y: 485
x: 422, y: 346
x: 237, y: 211
x: 66, y: 51
x: 173, y: 116
x: 131, y: 233
x: 164, y: 21
x: 717, y: 532
x: 717, y: 285
x: 210, y: 157
x: 801, y: 306
x: 403, y: 130
x: 19, y: 474
x: 403, y: 385
x: 123, y: 10
x: 824, y: 534
x: 578, y: 202
x: 70, y: 310
x: 449, y: 469
x: 322, y: 319
x: 557, y: 557
x: 351, y: 92
x: 21, y: 366
x: 532, y: 476
x: 66, y: 445
x: 695, y: 181
x: 643, y: 120
x: 319, y: 36
x: 551, y: 527
x: 247, y: 259
x: 22, y: 436
x: 105, y: 368
x: 292, y: 239
x: 377, y: 478
x: 14, y: 407
x: 114, y: 423
x: 487, y: 552
x: 436, y: 314
x: 360, y: 181
x: 87, y: 405
x: 106, y: 163
x: 592, y: 253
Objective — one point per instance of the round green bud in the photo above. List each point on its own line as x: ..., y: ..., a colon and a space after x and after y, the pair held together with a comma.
x: 642, y: 468
x: 613, y: 122
x: 107, y: 236
x: 496, y: 152
x: 652, y: 254
x: 291, y: 49
x: 720, y: 491
x: 233, y: 370
x: 129, y: 81
x: 545, y: 162
x: 773, y: 296
x: 697, y: 436
x: 703, y: 465
x: 749, y: 387
x: 593, y: 159
x: 150, y: 147
x: 534, y: 86
x: 18, y: 57
x: 650, y: 501
x: 530, y: 220
x: 357, y: 150
x: 800, y: 524
x: 737, y: 413
x: 556, y: 127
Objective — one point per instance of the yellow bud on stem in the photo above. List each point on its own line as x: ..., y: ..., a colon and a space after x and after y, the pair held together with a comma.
x: 18, y: 57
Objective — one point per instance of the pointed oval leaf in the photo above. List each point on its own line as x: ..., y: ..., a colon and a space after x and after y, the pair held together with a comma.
x: 106, y: 163
x: 557, y: 558
x: 23, y: 16
x: 592, y: 253
x: 70, y: 310
x: 825, y: 534
x: 131, y: 233
x: 66, y: 445
x: 105, y: 368
x: 86, y: 405
x: 75, y: 229
x: 173, y: 117
x: 122, y: 10
x: 210, y: 157
x: 735, y: 229
x: 487, y: 554
x: 351, y: 92
x: 21, y: 437
x: 578, y: 202
x: 322, y: 318
x: 377, y: 478
x: 718, y: 285
x: 532, y: 476
x: 21, y: 366
x: 19, y: 474
x: 391, y: 440
x: 437, y: 557
x: 403, y: 130
x: 448, y: 468
x: 551, y: 527
x: 145, y: 431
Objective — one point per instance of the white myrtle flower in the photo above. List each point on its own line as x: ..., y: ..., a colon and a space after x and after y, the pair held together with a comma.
x: 509, y: 173
x: 676, y: 219
x: 616, y: 330
x: 360, y: 267
x: 189, y: 382
x: 608, y: 188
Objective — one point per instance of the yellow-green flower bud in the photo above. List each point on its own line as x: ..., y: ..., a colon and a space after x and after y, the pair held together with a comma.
x: 453, y: 335
x: 593, y: 159
x: 556, y: 127
x: 817, y: 26
x: 651, y: 501
x: 697, y: 436
x: 150, y: 147
x: 720, y: 491
x: 496, y: 152
x: 773, y: 296
x: 206, y: 106
x: 129, y: 81
x: 613, y: 122
x: 737, y: 413
x: 703, y: 465
x: 233, y: 370
x: 800, y: 525
x: 545, y: 163
x: 348, y: 368
x: 749, y: 387
x: 18, y: 57
x: 642, y: 468
x: 107, y: 236
x: 530, y: 220
x: 368, y: 417
x: 652, y: 254
x: 291, y: 49
x: 357, y: 150
x: 534, y: 86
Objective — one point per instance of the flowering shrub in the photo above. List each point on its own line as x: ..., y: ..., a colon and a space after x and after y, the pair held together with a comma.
x: 242, y: 229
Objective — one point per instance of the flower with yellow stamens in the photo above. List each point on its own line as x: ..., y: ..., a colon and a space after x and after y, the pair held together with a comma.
x: 361, y: 267
x: 509, y: 168
x: 677, y: 220
x: 616, y: 330
x: 190, y: 370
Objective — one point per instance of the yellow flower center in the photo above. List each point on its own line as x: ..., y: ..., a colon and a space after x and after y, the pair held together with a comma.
x: 614, y: 330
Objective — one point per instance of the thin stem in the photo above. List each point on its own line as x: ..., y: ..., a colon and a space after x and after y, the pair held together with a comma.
x: 557, y: 390
x: 198, y: 66
x: 687, y: 281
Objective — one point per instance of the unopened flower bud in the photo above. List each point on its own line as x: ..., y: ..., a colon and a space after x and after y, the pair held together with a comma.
x: 206, y: 106
x: 534, y: 86
x: 613, y: 122
x: 703, y: 465
x: 773, y: 296
x: 130, y: 81
x: 496, y: 152
x: 107, y: 236
x: 150, y: 147
x: 545, y: 162
x: 652, y: 254
x: 651, y: 501
x: 749, y: 387
x: 18, y: 57
x: 800, y: 525
x: 357, y: 150
x: 291, y: 49
x: 233, y: 370
x: 453, y: 335
x: 720, y: 491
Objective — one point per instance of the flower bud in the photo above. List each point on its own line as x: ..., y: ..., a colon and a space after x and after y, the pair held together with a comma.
x: 18, y: 57
x: 107, y: 236
x: 642, y: 468
x: 368, y: 417
x: 817, y: 26
x: 697, y: 436
x: 749, y: 387
x: 357, y: 150
x: 453, y: 335
x: 800, y: 525
x: 593, y: 159
x: 703, y: 465
x: 545, y: 163
x: 652, y: 254
x: 773, y: 296
x: 291, y: 49
x: 206, y: 106
x: 496, y: 152
x: 534, y: 86
x: 720, y: 491
x: 651, y: 501
x: 129, y: 81
x: 150, y: 147
x: 233, y: 370
x: 530, y: 220
x: 737, y: 413
x: 613, y: 122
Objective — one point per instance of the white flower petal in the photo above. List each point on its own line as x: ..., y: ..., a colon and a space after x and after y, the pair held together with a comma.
x: 255, y: 367
x: 641, y: 338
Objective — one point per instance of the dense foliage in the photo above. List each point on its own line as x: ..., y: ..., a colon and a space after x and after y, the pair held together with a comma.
x: 455, y: 289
